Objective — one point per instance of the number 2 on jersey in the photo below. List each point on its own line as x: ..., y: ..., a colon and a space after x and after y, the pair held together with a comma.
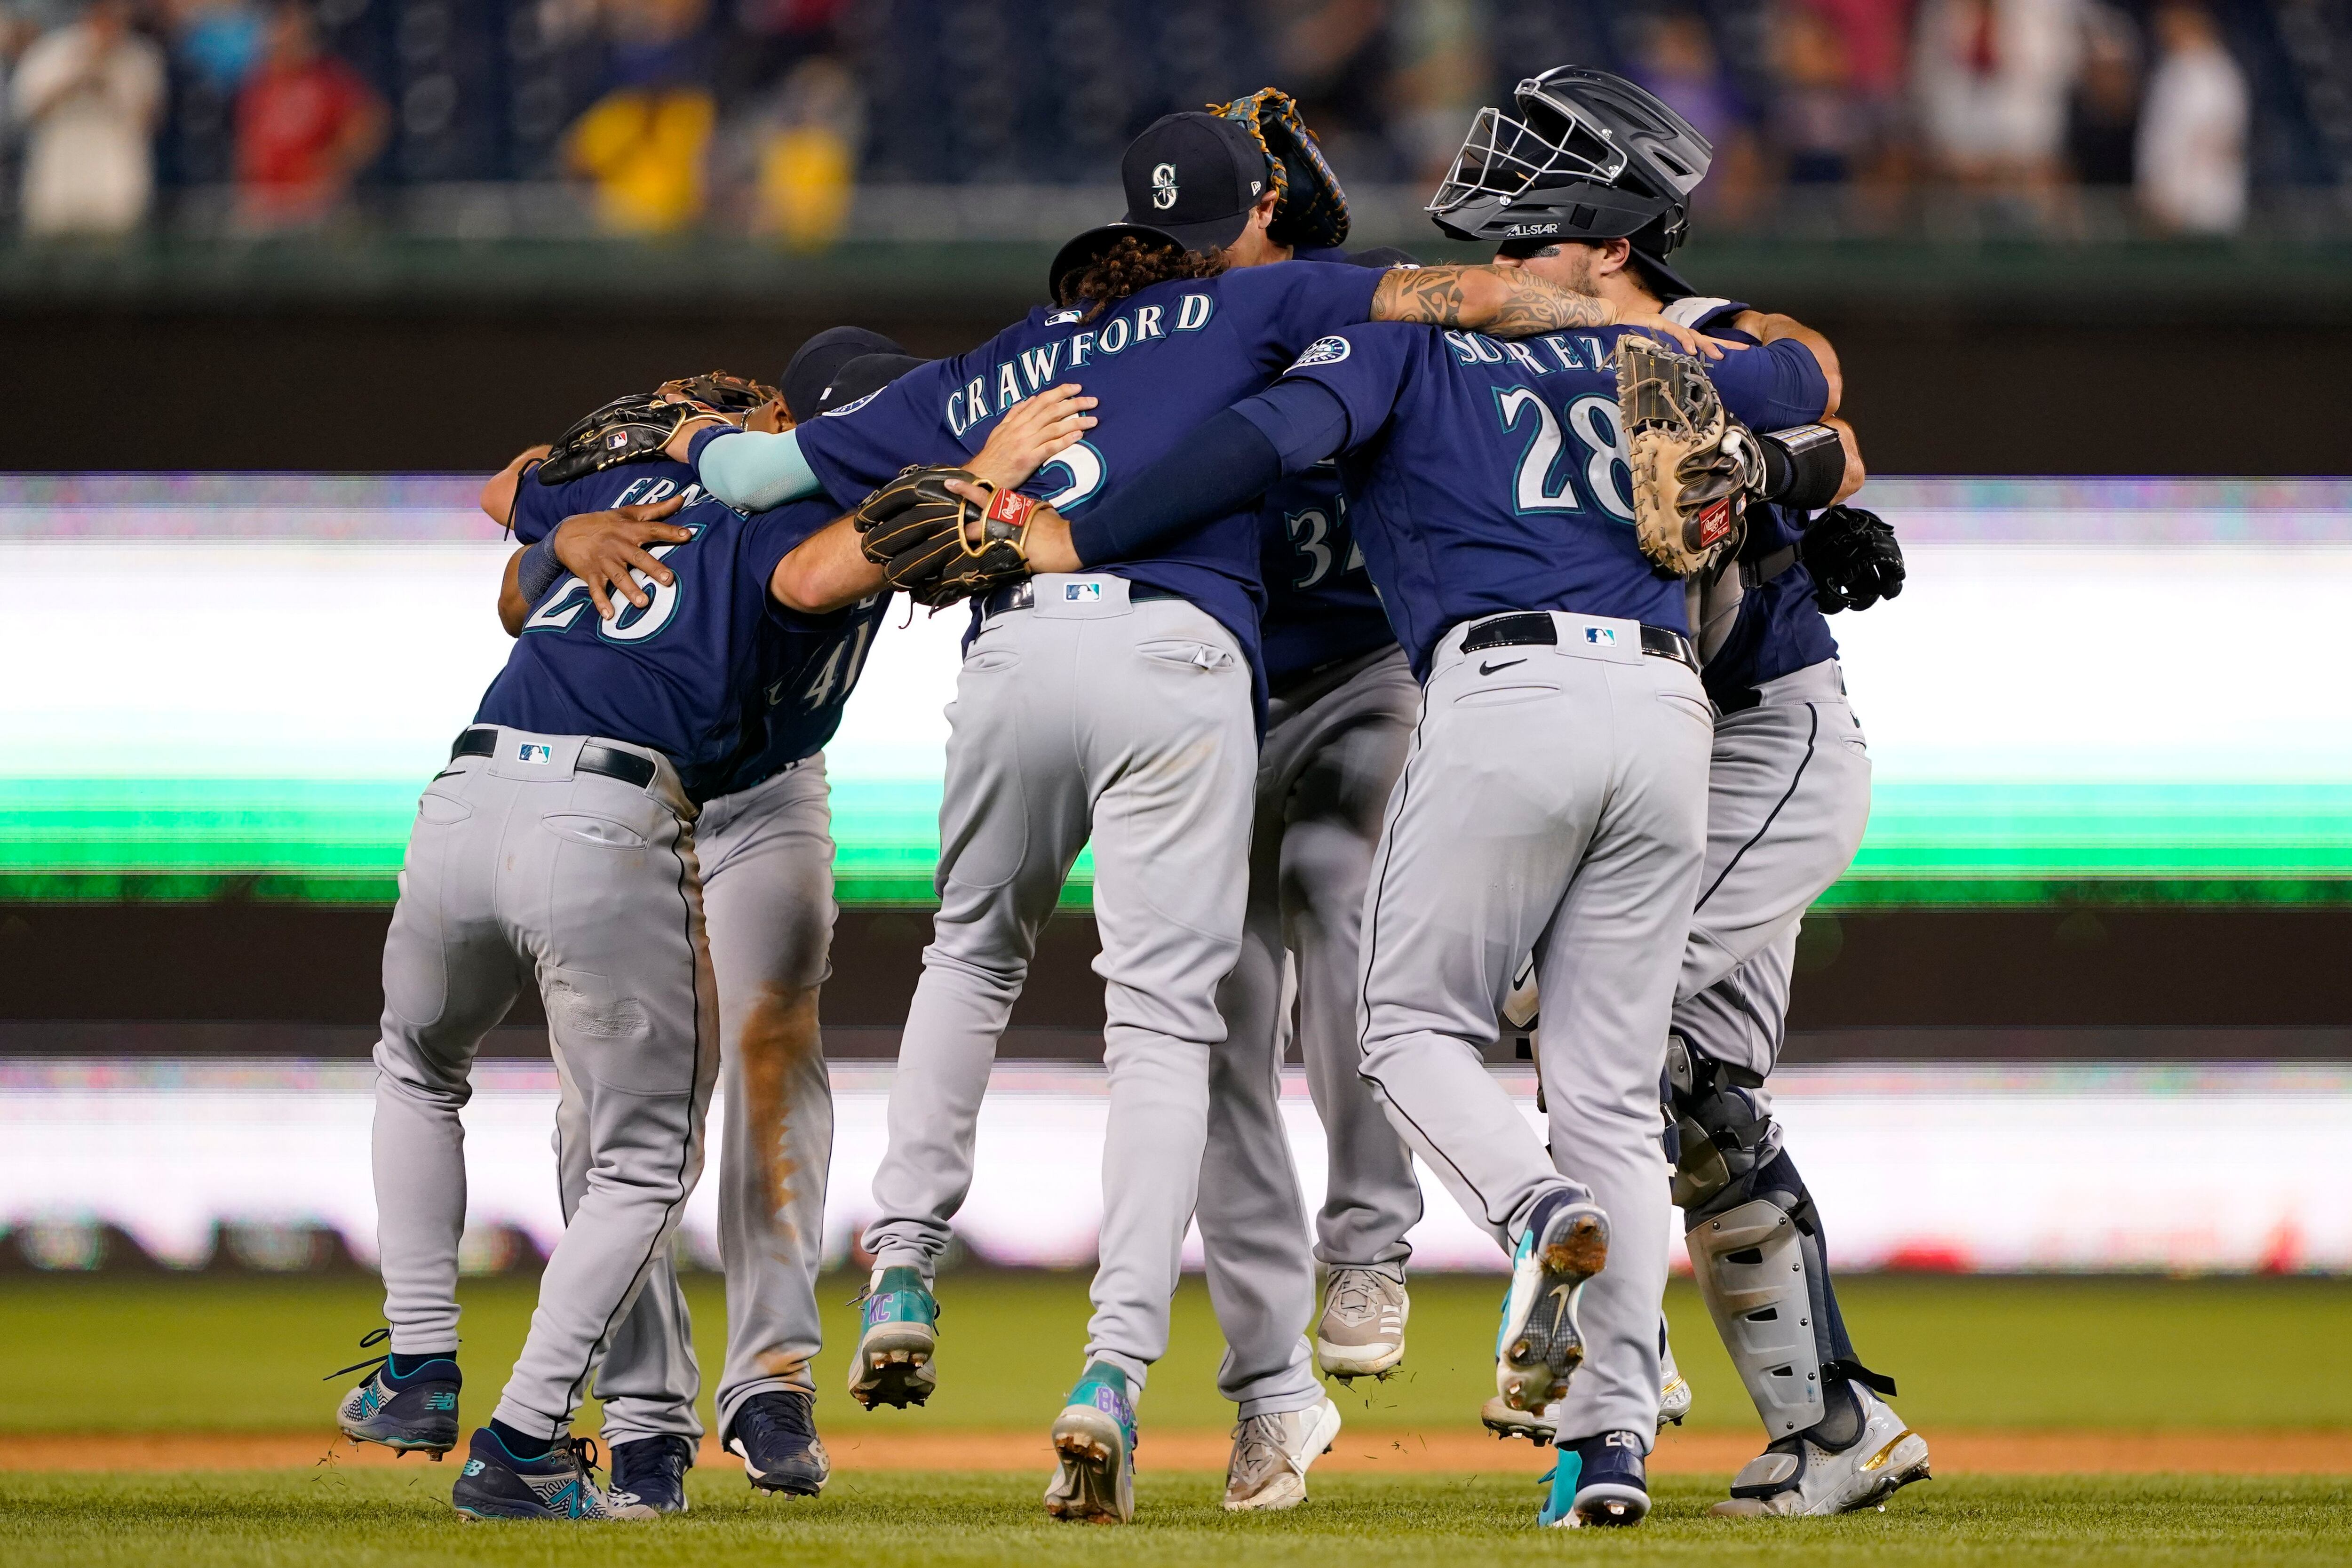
x: 1599, y: 434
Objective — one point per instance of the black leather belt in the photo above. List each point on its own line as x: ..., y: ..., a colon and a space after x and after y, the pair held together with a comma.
x: 1518, y: 631
x: 1022, y: 596
x: 607, y: 761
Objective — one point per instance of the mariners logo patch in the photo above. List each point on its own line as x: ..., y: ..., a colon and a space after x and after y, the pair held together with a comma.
x: 851, y: 407
x: 1063, y: 318
x: 1322, y: 350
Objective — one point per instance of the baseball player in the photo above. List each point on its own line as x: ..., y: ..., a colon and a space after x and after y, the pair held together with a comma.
x: 563, y: 838
x: 1788, y: 797
x: 1554, y: 798
x: 765, y: 846
x: 1117, y: 703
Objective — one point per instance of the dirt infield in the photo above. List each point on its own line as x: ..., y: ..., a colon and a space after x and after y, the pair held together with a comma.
x: 1957, y: 1451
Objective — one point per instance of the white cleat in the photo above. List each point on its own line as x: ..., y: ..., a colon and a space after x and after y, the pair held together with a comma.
x: 1796, y: 1477
x: 1541, y: 1346
x: 1540, y: 1427
x: 1362, y: 1331
x: 1270, y: 1456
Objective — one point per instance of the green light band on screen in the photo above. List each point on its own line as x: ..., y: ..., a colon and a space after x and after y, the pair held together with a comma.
x: 2093, y: 692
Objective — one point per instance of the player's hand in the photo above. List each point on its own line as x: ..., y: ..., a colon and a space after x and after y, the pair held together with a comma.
x: 1048, y: 541
x: 679, y: 446
x: 1690, y: 341
x: 1037, y: 429
x: 603, y: 549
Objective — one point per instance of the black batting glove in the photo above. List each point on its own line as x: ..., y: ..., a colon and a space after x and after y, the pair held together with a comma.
x: 1853, y: 558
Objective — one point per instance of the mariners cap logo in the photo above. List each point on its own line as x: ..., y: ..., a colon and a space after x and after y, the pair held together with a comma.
x: 1163, y: 187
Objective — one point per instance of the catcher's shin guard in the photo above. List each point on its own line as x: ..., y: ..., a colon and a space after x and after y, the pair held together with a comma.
x: 1752, y: 1269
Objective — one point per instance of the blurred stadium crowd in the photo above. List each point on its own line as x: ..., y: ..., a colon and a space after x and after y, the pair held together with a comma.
x: 2083, y: 119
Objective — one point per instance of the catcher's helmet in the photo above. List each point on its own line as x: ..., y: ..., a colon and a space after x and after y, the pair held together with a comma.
x: 1587, y: 156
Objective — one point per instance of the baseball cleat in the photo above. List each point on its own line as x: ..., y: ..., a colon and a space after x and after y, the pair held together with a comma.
x: 650, y: 1477
x: 893, y: 1363
x: 1095, y: 1437
x: 1673, y: 1390
x: 1597, y: 1481
x: 494, y: 1484
x: 1540, y: 1426
x: 1539, y: 1344
x: 1796, y: 1477
x: 774, y: 1434
x: 414, y: 1414
x: 1272, y: 1452
x: 1362, y: 1331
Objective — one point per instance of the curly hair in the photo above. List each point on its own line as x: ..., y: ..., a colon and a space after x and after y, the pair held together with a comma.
x: 1131, y: 264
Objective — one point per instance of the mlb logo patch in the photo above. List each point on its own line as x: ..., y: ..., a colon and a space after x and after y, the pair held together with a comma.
x: 616, y: 440
x: 1072, y: 592
x: 531, y: 751
x: 1605, y: 635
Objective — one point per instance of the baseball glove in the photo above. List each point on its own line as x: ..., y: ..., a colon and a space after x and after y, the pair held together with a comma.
x: 922, y: 536
x: 635, y: 427
x: 1691, y: 460
x: 1853, y: 557
x: 1312, y: 210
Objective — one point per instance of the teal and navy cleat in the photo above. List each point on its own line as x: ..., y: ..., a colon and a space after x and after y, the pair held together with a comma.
x: 1596, y: 1481
x: 893, y: 1363
x: 1539, y: 1344
x: 494, y: 1484
x: 650, y: 1477
x: 774, y: 1434
x: 413, y: 1409
x: 1095, y: 1437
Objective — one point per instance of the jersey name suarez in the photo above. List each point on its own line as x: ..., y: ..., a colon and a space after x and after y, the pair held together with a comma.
x: 1161, y: 360
x: 1319, y: 602
x: 684, y: 675
x: 1778, y: 629
x: 1490, y: 475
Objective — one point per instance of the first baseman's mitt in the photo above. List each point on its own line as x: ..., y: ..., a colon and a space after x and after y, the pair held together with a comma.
x: 939, y: 547
x: 1853, y: 557
x: 1313, y: 209
x: 1691, y: 460
x: 636, y: 426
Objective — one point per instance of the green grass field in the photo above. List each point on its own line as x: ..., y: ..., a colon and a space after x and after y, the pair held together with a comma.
x: 384, y: 1517
x: 81, y: 1354
x: 93, y: 1353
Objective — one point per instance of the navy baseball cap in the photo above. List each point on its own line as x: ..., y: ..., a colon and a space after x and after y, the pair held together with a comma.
x: 1190, y: 179
x: 820, y: 359
x: 863, y: 377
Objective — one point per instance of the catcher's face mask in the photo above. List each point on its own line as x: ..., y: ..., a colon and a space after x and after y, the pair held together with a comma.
x: 1504, y: 157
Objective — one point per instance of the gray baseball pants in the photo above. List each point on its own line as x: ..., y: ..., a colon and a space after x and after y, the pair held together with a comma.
x: 767, y: 886
x: 519, y: 872
x: 1787, y: 798
x: 1129, y: 721
x: 1330, y: 756
x: 1555, y: 799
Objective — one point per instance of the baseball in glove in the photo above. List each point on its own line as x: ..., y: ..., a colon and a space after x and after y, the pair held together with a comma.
x: 939, y: 547
x: 1691, y: 461
x: 1853, y: 557
x: 1312, y: 210
x: 635, y: 427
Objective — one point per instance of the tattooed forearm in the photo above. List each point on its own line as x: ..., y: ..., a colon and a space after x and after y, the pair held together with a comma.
x: 1503, y: 302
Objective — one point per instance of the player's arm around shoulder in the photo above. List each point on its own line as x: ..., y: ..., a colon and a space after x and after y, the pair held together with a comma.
x: 498, y: 498
x: 1768, y: 328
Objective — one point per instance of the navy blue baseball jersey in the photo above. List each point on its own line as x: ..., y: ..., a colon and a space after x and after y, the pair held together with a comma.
x: 1160, y: 361
x: 687, y: 675
x: 1778, y: 629
x: 1489, y: 476
x: 1319, y: 604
